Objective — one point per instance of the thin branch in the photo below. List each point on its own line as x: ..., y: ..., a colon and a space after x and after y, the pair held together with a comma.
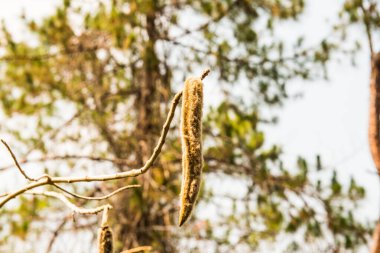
x: 46, y: 180
x: 240, y: 60
x: 16, y: 162
x: 204, y: 26
x: 4, y: 195
x: 55, y: 234
x: 54, y: 132
x: 70, y: 205
x: 40, y: 57
x: 97, y: 198
x: 138, y: 249
x: 131, y: 173
x: 367, y: 25
x: 46, y: 56
x: 67, y: 157
x: 205, y: 73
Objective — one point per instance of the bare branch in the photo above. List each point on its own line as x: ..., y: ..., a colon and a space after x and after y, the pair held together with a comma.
x: 55, y: 234
x: 48, y: 180
x: 367, y: 24
x: 70, y: 205
x: 205, y: 73
x: 97, y: 198
x: 67, y: 157
x: 46, y: 56
x: 205, y: 25
x: 4, y: 195
x: 54, y: 132
x: 138, y: 249
x: 16, y: 162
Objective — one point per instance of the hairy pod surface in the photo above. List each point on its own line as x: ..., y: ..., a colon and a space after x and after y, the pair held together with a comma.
x: 105, y: 243
x: 191, y: 137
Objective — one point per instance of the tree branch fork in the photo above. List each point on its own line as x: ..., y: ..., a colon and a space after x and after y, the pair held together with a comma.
x: 45, y: 179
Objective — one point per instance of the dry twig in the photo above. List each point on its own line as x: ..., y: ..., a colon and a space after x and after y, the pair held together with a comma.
x: 48, y: 180
x: 138, y: 249
x: 97, y: 198
x: 70, y: 205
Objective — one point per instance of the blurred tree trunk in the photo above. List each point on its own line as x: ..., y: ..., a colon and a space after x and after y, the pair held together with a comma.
x: 374, y: 121
x: 376, y: 239
x: 374, y: 131
x: 146, y: 78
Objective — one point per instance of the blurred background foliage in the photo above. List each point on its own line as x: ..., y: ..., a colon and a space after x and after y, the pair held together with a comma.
x: 87, y: 91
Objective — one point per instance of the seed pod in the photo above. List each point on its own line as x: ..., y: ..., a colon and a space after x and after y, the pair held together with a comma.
x: 105, y: 244
x: 191, y: 136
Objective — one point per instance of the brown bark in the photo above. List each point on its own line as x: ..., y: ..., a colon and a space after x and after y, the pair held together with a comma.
x: 374, y: 111
x: 375, y: 248
x: 136, y: 223
x: 374, y: 132
x: 147, y: 99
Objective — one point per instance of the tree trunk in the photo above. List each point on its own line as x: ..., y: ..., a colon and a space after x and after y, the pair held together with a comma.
x: 374, y: 112
x: 374, y: 132
x: 138, y: 223
x: 376, y: 239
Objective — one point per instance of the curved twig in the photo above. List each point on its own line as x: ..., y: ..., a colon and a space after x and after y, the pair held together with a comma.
x: 48, y: 180
x: 67, y: 157
x: 97, y: 198
x: 55, y: 234
x: 138, y: 249
x: 70, y: 205
x: 16, y: 162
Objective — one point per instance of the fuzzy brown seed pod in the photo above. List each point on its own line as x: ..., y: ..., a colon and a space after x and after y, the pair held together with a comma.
x: 105, y: 243
x: 191, y: 134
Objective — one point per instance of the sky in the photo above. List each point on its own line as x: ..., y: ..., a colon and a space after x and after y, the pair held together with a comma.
x: 330, y: 119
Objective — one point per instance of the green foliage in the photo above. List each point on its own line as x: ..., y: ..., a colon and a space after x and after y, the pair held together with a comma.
x: 361, y: 11
x: 100, y: 87
x: 366, y: 14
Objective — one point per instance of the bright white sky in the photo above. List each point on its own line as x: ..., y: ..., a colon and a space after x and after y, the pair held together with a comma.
x: 331, y: 118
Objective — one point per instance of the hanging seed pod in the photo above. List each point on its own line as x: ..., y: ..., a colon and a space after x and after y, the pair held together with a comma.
x: 105, y: 244
x: 191, y: 137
